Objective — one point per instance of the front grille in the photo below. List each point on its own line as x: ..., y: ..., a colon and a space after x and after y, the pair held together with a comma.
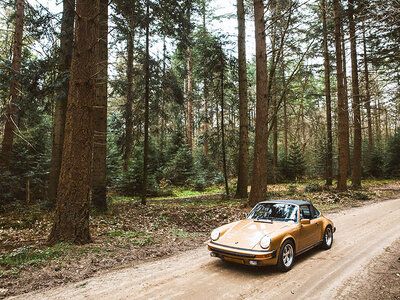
x: 232, y: 253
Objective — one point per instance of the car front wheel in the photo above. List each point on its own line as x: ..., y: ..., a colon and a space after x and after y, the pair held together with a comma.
x: 328, y: 238
x: 286, y: 256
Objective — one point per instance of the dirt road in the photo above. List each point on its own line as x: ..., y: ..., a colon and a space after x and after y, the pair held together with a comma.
x: 362, y: 233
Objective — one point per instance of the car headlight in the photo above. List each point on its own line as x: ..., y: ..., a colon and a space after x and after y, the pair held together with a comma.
x: 265, y: 242
x: 215, y: 234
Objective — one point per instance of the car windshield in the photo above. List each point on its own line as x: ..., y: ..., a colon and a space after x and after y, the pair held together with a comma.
x: 274, y: 211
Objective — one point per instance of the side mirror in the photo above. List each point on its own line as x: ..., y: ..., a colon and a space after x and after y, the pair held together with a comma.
x: 304, y: 221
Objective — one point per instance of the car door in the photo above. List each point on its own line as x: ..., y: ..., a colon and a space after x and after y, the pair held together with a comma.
x: 309, y: 233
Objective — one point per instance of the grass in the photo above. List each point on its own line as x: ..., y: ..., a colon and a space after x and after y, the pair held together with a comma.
x: 28, y: 255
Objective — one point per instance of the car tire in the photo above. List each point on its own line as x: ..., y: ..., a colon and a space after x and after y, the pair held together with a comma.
x: 327, y: 239
x: 286, y: 256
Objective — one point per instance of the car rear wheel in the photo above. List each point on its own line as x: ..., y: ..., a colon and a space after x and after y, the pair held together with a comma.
x: 286, y: 256
x: 328, y: 238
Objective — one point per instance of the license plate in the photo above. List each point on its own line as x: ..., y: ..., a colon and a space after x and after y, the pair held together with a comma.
x: 236, y: 260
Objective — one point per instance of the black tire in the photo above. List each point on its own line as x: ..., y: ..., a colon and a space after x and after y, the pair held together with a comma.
x: 286, y: 256
x: 327, y: 239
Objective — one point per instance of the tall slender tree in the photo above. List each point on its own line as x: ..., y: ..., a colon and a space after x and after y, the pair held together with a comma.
x: 243, y: 160
x: 146, y: 105
x: 259, y: 178
x: 129, y: 100
x: 343, y: 128
x: 99, y: 172
x: 71, y: 219
x: 66, y: 42
x: 189, y: 91
x: 368, y: 94
x: 329, y: 143
x: 10, y: 124
x: 222, y: 77
x: 356, y: 170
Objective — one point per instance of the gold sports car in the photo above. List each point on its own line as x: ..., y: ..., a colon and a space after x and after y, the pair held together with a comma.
x: 273, y: 233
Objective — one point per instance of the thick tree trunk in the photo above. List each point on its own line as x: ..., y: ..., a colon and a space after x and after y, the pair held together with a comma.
x: 146, y: 108
x: 259, y: 178
x: 66, y: 42
x: 243, y: 163
x: 128, y: 105
x: 356, y: 170
x: 343, y: 125
x: 329, y: 157
x: 368, y: 95
x: 99, y: 172
x: 71, y: 220
x: 9, y: 127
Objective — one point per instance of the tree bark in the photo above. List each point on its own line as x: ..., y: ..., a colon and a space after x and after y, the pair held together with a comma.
x: 223, y: 125
x: 205, y: 91
x: 9, y: 126
x: 71, y: 220
x: 189, y: 90
x: 368, y: 95
x: 346, y: 99
x: 99, y: 172
x: 275, y: 130
x: 66, y: 43
x: 285, y: 117
x: 356, y: 170
x: 128, y: 105
x: 146, y: 107
x: 243, y: 163
x: 329, y: 158
x: 343, y: 125
x: 259, y: 177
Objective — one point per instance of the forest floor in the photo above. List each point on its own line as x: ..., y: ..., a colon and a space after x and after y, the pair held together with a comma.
x: 130, y: 233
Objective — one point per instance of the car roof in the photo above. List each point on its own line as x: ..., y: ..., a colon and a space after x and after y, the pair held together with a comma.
x: 288, y: 201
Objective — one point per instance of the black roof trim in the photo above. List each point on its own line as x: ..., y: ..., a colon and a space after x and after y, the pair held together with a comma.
x: 289, y: 201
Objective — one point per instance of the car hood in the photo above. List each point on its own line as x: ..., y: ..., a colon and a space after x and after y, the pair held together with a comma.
x: 247, y: 233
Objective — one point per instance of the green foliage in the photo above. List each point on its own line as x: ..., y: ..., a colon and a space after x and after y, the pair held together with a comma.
x: 28, y: 255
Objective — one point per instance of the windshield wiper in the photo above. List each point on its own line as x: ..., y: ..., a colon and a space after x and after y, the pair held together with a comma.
x: 267, y: 220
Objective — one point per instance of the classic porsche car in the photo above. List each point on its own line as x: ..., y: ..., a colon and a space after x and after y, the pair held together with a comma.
x: 273, y: 233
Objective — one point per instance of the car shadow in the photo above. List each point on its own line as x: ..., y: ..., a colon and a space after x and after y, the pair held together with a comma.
x: 256, y: 271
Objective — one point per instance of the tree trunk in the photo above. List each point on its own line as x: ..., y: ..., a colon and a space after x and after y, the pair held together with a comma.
x: 346, y: 99
x: 66, y: 43
x: 285, y: 118
x: 129, y: 100
x: 146, y: 107
x: 329, y: 158
x: 205, y: 92
x: 275, y: 130
x: 9, y: 127
x: 243, y: 163
x: 259, y: 178
x: 223, y: 126
x: 368, y: 95
x: 356, y: 170
x: 71, y: 220
x: 189, y: 90
x: 99, y: 172
x: 343, y: 125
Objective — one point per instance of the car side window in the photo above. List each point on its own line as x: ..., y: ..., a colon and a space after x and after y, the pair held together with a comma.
x: 305, y: 212
x: 315, y: 212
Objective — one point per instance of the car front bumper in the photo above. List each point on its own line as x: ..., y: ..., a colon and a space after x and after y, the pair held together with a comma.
x: 243, y: 256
